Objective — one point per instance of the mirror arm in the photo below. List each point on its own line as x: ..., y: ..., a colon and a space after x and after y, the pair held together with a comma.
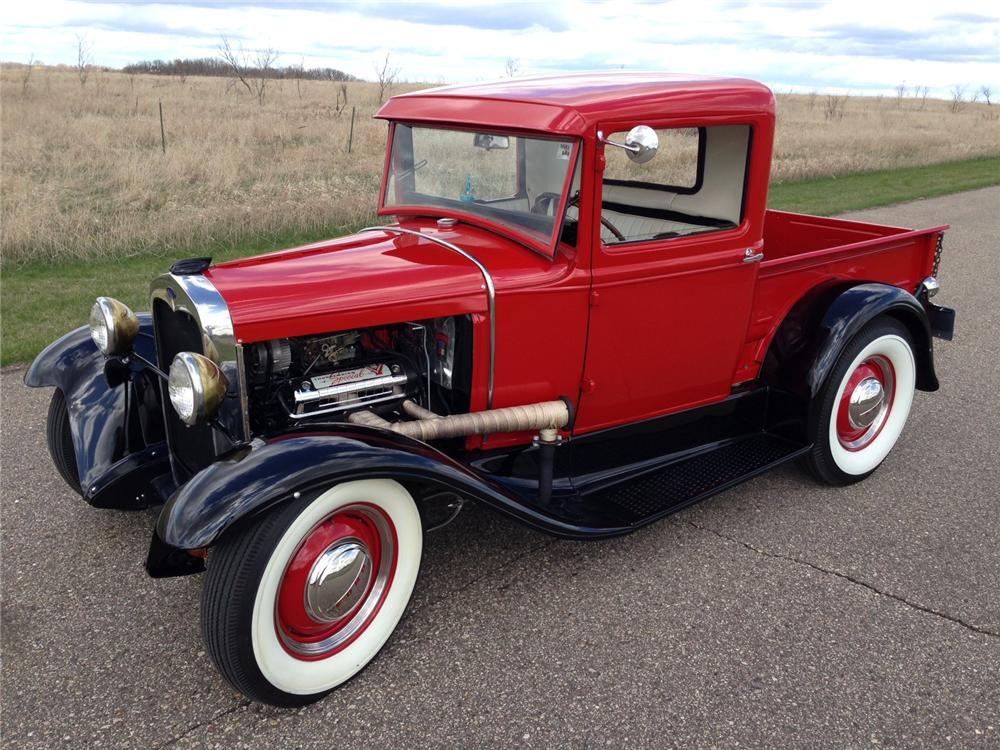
x: 630, y: 148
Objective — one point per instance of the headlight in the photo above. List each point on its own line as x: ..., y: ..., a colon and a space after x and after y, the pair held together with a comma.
x: 113, y: 326
x: 196, y: 386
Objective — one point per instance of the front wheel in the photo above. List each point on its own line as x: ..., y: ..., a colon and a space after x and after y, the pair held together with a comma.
x: 860, y: 412
x: 301, y: 600
x: 59, y: 438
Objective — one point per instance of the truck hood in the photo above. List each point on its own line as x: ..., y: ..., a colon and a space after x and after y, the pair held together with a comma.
x: 371, y: 278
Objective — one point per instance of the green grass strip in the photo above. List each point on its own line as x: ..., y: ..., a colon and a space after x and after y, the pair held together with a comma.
x: 40, y: 301
x: 827, y: 196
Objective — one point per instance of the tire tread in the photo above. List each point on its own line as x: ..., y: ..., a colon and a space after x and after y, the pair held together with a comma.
x: 233, y: 567
x: 819, y: 461
x: 59, y: 438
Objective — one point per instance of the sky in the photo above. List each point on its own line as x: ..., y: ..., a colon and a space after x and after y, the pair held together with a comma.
x: 805, y: 45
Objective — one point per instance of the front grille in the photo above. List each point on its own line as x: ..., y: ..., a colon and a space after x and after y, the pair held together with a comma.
x: 191, y: 448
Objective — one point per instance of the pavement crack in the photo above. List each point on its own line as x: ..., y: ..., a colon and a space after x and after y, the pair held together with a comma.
x: 195, y: 727
x: 244, y: 703
x: 846, y: 577
x: 473, y: 581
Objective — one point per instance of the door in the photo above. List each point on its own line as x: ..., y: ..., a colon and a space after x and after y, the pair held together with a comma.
x: 673, y: 277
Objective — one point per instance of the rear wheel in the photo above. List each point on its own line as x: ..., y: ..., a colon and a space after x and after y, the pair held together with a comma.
x: 301, y: 600
x: 860, y: 412
x: 60, y: 441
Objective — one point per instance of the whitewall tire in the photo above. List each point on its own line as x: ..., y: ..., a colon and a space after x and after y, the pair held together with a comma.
x: 860, y: 412
x: 300, y: 601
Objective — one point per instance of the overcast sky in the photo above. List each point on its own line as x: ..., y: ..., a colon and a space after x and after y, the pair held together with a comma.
x: 868, y: 46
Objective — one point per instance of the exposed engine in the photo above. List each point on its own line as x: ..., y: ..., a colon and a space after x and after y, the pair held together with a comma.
x: 330, y: 376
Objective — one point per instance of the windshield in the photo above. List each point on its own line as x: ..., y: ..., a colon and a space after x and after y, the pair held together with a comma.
x: 513, y: 180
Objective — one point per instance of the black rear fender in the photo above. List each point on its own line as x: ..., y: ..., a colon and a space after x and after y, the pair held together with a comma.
x: 809, y: 340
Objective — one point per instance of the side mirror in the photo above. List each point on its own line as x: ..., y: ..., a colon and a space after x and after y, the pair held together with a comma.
x: 490, y: 141
x: 641, y: 142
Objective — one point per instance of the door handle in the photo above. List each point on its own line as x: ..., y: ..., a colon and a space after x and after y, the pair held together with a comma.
x: 749, y: 256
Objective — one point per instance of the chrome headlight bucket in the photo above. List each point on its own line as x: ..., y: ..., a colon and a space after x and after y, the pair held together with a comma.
x: 197, y: 387
x: 113, y: 326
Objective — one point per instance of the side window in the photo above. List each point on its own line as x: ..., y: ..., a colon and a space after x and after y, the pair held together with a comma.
x: 676, y: 164
x: 693, y: 185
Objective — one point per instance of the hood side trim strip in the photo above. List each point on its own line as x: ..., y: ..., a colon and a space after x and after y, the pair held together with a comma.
x: 487, y: 280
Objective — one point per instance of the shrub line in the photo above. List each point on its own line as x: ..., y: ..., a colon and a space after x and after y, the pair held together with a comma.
x: 41, y: 300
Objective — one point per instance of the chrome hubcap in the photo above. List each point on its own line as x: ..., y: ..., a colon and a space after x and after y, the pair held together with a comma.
x: 865, y: 404
x: 338, y: 580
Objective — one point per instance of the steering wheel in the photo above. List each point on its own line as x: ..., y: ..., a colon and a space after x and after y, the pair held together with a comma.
x: 412, y: 170
x: 546, y: 204
x: 574, y: 200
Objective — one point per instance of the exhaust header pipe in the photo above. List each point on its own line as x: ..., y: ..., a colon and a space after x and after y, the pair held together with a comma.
x: 546, y: 418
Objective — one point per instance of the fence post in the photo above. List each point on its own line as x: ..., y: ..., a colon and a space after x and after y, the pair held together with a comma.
x: 163, y: 134
x: 350, y: 138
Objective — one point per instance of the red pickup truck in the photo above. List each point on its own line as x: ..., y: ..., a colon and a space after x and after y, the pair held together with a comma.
x: 580, y: 313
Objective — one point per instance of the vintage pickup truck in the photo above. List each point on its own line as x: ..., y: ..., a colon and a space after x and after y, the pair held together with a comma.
x: 581, y: 315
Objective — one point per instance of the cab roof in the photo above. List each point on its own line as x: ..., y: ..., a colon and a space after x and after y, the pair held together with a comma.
x: 572, y: 104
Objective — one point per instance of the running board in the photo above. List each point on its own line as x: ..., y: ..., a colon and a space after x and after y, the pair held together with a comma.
x: 642, y: 499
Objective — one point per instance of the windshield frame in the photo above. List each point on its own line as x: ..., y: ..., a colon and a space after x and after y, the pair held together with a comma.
x: 521, y: 236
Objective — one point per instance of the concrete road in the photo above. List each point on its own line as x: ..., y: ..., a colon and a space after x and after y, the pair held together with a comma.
x: 779, y: 614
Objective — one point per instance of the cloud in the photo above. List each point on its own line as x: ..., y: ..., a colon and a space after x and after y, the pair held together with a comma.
x: 498, y: 16
x: 816, y: 44
x: 968, y: 18
x: 772, y: 4
x: 897, y: 43
x: 494, y: 16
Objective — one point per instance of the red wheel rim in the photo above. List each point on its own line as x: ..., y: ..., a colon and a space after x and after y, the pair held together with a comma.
x: 865, y: 403
x: 336, y: 582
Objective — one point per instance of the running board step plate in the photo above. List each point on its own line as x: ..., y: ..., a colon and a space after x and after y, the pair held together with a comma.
x: 642, y: 499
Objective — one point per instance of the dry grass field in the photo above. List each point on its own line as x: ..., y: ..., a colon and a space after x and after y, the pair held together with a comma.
x: 83, y: 173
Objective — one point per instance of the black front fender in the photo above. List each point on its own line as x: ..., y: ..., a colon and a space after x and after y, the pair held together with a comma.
x: 117, y: 430
x: 254, y: 478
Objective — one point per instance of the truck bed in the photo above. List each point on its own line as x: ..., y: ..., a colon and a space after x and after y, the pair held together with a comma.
x: 803, y: 252
x: 789, y: 235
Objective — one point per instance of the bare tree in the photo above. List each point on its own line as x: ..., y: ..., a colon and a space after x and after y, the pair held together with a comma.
x: 834, y: 109
x: 386, y: 76
x: 812, y: 100
x: 921, y: 92
x: 900, y: 93
x: 957, y: 97
x: 252, y: 69
x: 341, y: 104
x: 511, y: 67
x: 987, y: 92
x: 84, y: 58
x: 26, y: 75
x: 299, y: 70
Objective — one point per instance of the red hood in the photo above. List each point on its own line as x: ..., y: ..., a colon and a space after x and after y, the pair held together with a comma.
x: 361, y: 280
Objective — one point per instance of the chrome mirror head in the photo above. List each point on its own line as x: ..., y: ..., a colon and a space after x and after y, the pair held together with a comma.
x: 641, y: 143
x: 490, y: 141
